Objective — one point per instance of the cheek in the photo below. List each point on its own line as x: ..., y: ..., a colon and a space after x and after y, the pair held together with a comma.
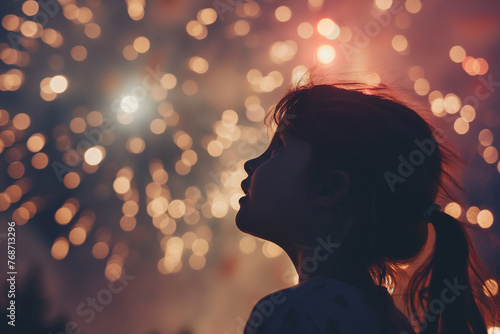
x: 274, y: 191
x: 269, y: 180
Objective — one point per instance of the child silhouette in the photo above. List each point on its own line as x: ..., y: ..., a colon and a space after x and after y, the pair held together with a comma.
x: 347, y: 188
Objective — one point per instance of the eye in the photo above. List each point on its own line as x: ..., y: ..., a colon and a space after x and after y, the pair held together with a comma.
x: 278, y: 146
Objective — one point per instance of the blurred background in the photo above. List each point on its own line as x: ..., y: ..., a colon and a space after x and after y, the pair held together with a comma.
x: 124, y: 126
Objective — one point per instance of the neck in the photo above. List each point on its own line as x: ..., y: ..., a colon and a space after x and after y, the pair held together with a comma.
x: 310, y: 264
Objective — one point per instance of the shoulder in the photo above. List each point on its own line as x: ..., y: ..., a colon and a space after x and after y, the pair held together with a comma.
x: 318, y: 305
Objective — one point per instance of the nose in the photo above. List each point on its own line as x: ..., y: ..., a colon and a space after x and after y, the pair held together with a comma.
x: 251, y: 165
x: 248, y: 166
x: 245, y: 184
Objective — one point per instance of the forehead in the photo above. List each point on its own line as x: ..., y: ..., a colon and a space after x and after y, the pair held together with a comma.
x: 291, y: 140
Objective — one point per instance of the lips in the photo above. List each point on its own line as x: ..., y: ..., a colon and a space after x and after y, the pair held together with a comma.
x: 244, y: 187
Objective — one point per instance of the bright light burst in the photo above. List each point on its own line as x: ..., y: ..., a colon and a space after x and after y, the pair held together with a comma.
x: 129, y: 104
x: 202, y: 96
x: 326, y: 54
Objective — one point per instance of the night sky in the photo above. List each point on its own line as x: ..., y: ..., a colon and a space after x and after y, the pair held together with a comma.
x: 124, y: 126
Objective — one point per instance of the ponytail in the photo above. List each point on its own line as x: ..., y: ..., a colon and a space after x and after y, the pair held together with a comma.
x: 446, y: 286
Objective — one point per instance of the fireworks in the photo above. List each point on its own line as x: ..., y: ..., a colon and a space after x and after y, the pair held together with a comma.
x: 130, y: 118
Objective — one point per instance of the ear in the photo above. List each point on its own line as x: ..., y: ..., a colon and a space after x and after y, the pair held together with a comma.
x: 332, y: 188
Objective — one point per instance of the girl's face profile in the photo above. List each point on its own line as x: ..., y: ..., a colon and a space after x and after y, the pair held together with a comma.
x: 276, y: 206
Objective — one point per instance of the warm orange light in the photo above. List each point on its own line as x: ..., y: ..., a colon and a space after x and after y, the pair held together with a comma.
x: 135, y: 10
x: 196, y: 29
x: 413, y: 6
x: 215, y: 148
x: 490, y: 287
x: 271, y: 250
x: 199, y: 247
x: 241, y: 27
x: 305, y: 30
x: 92, y: 30
x: 183, y: 140
x: 121, y: 185
x: 16, y: 170
x: 328, y: 28
x: 79, y: 53
x: 421, y: 87
x: 30, y: 29
x: 160, y: 176
x: 457, y: 54
x: 490, y: 155
x: 21, y: 121
x: 40, y: 160
x: 77, y: 235
x: 14, y: 192
x: 326, y: 54
x: 141, y: 44
x: 5, y: 201
x: 11, y: 22
x: 283, y: 13
x: 60, y: 248
x: 129, y: 52
x: 453, y: 209
x: 94, y: 155
x: 189, y: 87
x: 383, y: 4
x: 189, y: 157
x: 247, y: 244
x: 485, y: 137
x: 128, y: 223
x: 475, y: 66
x: 30, y: 7
x: 219, y: 208
x: 36, y: 142
x: 58, y: 84
x: 100, y: 250
x: 399, y: 43
x: 461, y: 126
x: 485, y: 218
x: 177, y: 208
x: 198, y: 65
x: 77, y: 125
x: 136, y: 145
x: 157, y: 126
x: 63, y: 215
x: 71, y: 180
x: 168, y: 81
x: 468, y: 113
x: 94, y: 118
x: 130, y: 208
x: 84, y: 15
x: 197, y: 262
x: 207, y: 16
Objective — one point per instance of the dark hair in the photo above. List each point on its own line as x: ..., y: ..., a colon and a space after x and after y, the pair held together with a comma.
x: 398, y: 165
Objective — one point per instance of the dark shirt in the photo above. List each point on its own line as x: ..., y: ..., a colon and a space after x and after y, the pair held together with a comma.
x: 323, y: 305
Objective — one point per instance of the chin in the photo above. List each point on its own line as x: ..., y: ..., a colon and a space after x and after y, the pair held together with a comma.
x: 246, y: 225
x: 241, y: 223
x: 248, y: 228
